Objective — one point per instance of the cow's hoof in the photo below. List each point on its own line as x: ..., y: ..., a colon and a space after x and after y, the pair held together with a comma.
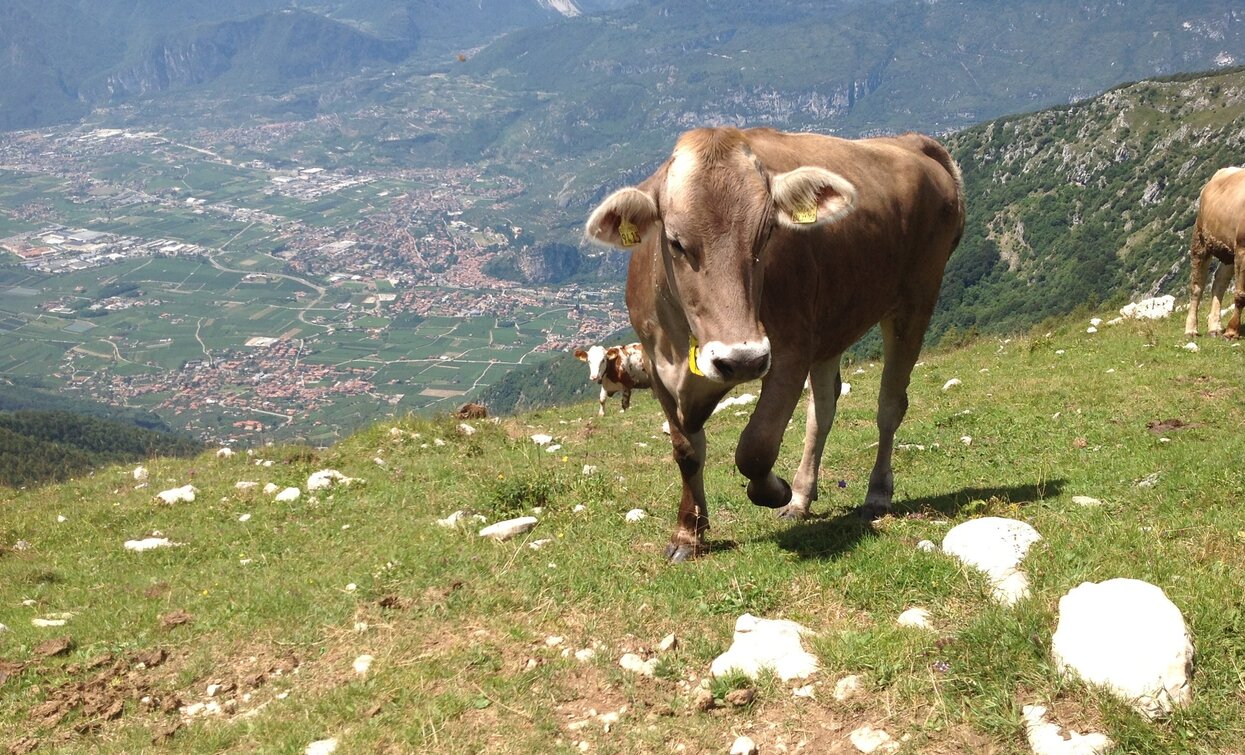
x: 1231, y: 335
x: 677, y: 553
x: 770, y: 496
x: 873, y: 511
x: 793, y: 512
x: 1210, y: 333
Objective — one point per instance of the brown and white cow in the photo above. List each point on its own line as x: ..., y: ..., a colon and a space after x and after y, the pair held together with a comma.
x: 618, y: 368
x: 763, y: 254
x: 1220, y: 233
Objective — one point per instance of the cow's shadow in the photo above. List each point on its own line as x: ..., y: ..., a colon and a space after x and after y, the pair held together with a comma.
x: 830, y: 536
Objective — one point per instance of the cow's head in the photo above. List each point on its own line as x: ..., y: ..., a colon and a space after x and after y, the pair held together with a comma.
x: 595, y: 356
x: 711, y: 209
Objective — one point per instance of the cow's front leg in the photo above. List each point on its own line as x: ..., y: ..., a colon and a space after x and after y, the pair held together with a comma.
x: 626, y: 399
x: 1199, y: 268
x: 761, y: 439
x: 688, y: 540
x: 824, y: 386
x: 604, y: 395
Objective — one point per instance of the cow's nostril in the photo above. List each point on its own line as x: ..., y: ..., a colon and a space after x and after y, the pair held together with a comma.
x: 725, y: 367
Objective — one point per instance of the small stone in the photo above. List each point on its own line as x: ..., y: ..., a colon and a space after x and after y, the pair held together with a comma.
x: 636, y: 515
x: 916, y: 618
x: 244, y: 518
x: 846, y: 688
x: 362, y: 664
x: 868, y: 739
x: 149, y: 543
x: 1045, y: 737
x: 953, y: 382
x: 287, y: 495
x: 185, y: 493
x: 1091, y: 329
x: 553, y: 640
x: 766, y: 643
x: 270, y: 488
x: 702, y: 699
x: 538, y: 544
x: 579, y: 507
x: 61, y: 519
x: 744, y: 746
x: 1084, y: 500
x: 807, y: 691
x: 140, y: 474
x: 541, y: 439
x: 635, y: 664
x: 668, y: 643
x: 321, y: 747
x: 589, y: 469
x: 926, y: 546
x: 351, y: 587
x: 1191, y: 346
x: 585, y: 655
x: 741, y: 697
x: 466, y: 429
x: 509, y: 528
x: 224, y: 453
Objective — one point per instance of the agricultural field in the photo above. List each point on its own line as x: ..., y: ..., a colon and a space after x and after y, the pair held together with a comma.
x: 349, y: 614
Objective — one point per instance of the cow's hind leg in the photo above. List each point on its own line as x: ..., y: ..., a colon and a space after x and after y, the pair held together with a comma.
x: 825, y: 385
x: 901, y: 344
x: 761, y: 439
x: 626, y: 400
x: 1199, y: 267
x: 1234, y: 324
x: 1223, y: 276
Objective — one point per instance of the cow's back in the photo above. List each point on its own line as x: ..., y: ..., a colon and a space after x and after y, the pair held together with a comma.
x: 1221, y: 209
x: 826, y: 287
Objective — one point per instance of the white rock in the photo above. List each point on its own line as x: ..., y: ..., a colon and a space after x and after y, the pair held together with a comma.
x: 1095, y: 322
x: 213, y: 689
x: 246, y: 485
x: 846, y: 688
x: 270, y: 488
x: 1091, y: 329
x: 541, y: 439
x: 244, y: 518
x: 578, y: 508
x: 845, y: 389
x: 807, y: 691
x: 457, y: 519
x: 538, y: 544
x: 636, y: 515
x: 321, y: 747
x: 966, y: 440
x: 585, y: 655
x: 1125, y: 635
x: 995, y: 546
x: 287, y: 495
x: 589, y: 469
x: 438, y: 442
x: 926, y: 546
x: 60, y: 519
x: 224, y: 453
x: 953, y: 382
x: 668, y: 643
x: 742, y: 399
x: 766, y: 643
x: 1157, y: 308
x: 1191, y: 346
x: 362, y: 664
x: 327, y: 478
x: 174, y: 495
x: 1084, y: 500
x: 868, y: 739
x: 266, y: 463
x: 1060, y: 352
x: 46, y: 623
x: 553, y: 449
x: 140, y: 474
x: 917, y: 618
x: 554, y: 640
x: 509, y: 528
x: 665, y: 427
x: 635, y: 664
x: 466, y: 429
x: 744, y: 746
x: 1045, y: 738
x: 149, y: 543
x: 351, y: 587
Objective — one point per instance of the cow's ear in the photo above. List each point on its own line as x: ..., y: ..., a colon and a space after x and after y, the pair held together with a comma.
x: 581, y: 355
x: 809, y: 197
x: 622, y: 219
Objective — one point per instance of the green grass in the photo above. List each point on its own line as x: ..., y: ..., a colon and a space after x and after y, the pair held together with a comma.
x: 458, y: 626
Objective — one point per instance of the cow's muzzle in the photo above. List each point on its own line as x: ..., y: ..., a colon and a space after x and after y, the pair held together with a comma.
x: 731, y: 362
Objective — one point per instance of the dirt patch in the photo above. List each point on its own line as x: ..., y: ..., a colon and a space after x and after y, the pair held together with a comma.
x: 1168, y: 425
x: 54, y: 647
x: 174, y: 619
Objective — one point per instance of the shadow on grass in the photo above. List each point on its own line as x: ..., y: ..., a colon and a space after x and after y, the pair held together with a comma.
x: 827, y: 537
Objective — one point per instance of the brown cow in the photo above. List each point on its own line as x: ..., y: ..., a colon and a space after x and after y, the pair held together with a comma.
x: 1220, y: 233
x: 471, y: 410
x: 618, y: 368
x: 759, y: 253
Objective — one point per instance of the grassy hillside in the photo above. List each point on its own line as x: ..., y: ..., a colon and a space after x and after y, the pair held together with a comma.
x: 275, y: 601
x: 1072, y: 205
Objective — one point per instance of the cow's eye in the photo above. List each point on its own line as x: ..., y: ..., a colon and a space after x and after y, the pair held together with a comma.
x: 677, y: 247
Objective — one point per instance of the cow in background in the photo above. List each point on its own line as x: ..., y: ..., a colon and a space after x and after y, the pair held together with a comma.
x: 1220, y: 233
x: 758, y: 254
x: 617, y: 368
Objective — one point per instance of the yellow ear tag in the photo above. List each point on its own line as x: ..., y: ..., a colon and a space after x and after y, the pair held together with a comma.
x: 805, y: 215
x: 627, y: 231
x: 691, y: 356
